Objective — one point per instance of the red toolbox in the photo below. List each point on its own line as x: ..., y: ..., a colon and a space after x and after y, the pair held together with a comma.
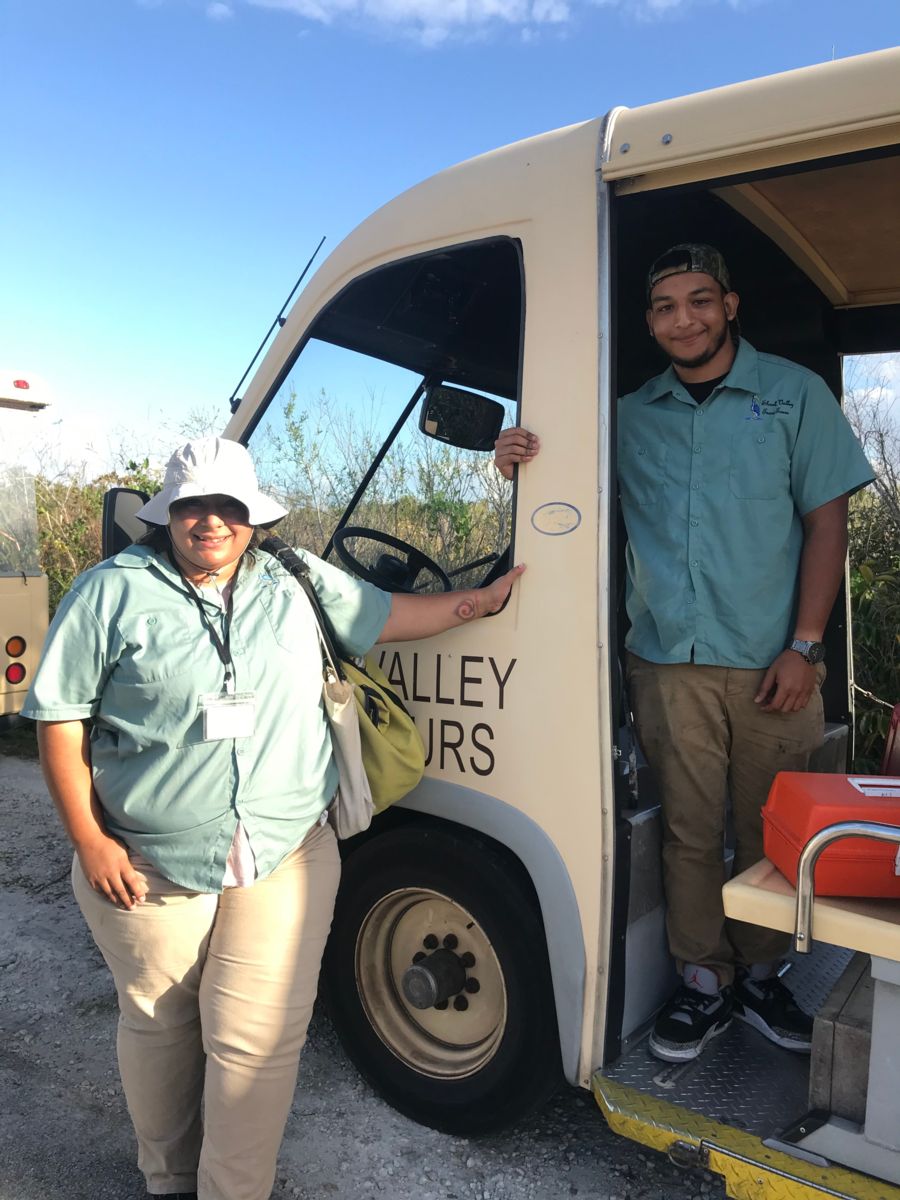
x: 800, y: 804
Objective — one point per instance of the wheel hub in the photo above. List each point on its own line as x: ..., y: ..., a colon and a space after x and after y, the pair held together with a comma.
x: 414, y: 958
x: 434, y: 980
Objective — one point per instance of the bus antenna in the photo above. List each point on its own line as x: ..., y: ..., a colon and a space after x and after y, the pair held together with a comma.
x: 234, y: 400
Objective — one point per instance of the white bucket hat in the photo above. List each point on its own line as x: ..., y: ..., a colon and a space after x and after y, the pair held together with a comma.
x: 211, y: 466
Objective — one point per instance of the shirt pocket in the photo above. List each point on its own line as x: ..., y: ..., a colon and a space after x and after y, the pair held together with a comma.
x: 642, y: 471
x: 291, y: 620
x: 143, y: 716
x: 760, y: 467
x: 152, y: 695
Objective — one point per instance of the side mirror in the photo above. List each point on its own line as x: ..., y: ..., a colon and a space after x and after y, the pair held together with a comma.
x: 464, y: 419
x: 120, y: 526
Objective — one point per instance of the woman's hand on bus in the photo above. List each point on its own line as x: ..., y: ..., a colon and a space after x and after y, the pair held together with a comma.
x: 490, y: 599
x: 413, y: 617
x: 108, y: 870
x: 513, y: 446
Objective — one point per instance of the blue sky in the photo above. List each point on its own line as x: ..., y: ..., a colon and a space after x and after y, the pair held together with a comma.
x: 171, y: 164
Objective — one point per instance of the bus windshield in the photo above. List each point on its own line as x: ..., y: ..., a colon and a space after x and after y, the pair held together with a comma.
x: 18, y: 523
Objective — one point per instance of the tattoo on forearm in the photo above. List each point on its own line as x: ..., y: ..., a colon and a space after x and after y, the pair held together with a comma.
x: 466, y: 610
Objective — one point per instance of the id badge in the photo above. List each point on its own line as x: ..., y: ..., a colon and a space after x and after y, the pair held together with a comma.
x: 228, y: 716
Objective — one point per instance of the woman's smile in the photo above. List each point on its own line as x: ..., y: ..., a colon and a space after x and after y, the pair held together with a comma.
x: 209, y: 534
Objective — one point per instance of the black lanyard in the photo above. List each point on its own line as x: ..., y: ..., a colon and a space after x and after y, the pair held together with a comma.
x: 222, y: 645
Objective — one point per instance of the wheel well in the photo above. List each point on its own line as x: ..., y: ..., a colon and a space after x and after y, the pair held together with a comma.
x: 403, y: 818
x: 529, y: 854
x: 437, y: 877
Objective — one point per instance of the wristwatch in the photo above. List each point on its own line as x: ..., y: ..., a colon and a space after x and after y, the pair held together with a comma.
x: 813, y: 652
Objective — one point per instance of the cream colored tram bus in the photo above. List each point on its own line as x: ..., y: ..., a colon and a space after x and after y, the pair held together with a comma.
x: 23, y: 585
x: 504, y: 926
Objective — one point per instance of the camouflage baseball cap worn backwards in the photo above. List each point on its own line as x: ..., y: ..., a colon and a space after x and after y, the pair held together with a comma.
x: 689, y: 256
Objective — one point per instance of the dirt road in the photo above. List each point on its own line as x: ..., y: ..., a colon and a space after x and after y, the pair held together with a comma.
x: 64, y: 1131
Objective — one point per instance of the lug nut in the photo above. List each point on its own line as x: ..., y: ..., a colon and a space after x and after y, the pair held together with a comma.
x: 419, y: 955
x: 460, y: 1003
x: 467, y: 959
x: 472, y: 986
x: 430, y: 942
x: 451, y: 941
x: 442, y: 1004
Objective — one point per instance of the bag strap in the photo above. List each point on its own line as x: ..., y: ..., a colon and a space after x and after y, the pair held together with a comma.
x: 300, y: 571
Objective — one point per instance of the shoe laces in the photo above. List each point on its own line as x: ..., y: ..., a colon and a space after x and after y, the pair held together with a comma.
x: 771, y: 989
x: 689, y: 1002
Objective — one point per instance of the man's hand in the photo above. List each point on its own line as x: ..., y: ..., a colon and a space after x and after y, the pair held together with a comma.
x: 787, y: 685
x: 108, y: 870
x: 515, y: 445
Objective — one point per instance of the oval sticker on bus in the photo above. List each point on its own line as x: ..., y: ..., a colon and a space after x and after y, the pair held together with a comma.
x: 556, y: 518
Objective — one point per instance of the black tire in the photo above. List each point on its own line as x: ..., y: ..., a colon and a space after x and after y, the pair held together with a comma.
x: 461, y: 1072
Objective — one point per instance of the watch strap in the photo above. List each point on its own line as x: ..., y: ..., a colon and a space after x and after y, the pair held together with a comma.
x: 813, y: 652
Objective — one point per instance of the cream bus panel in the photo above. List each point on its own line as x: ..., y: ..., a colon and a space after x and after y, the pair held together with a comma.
x: 833, y: 108
x: 538, y: 185
x: 498, y: 702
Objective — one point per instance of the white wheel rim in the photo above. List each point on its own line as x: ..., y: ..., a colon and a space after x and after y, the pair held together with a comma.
x: 449, y: 1043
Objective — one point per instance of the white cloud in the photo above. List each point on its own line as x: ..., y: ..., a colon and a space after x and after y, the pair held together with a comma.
x: 555, y: 12
x: 432, y: 22
x: 651, y: 10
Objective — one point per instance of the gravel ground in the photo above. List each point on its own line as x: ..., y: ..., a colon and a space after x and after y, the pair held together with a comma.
x: 64, y: 1131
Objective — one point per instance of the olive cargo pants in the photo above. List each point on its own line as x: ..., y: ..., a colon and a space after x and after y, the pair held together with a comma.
x: 215, y: 996
x: 706, y: 740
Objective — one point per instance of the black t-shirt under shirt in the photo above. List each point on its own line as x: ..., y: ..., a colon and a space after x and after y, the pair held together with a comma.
x: 699, y: 392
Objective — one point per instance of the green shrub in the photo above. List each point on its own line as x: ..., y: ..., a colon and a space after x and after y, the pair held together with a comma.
x: 69, y: 520
x: 875, y: 606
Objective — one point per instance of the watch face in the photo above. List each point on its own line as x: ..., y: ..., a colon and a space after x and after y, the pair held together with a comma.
x: 813, y: 652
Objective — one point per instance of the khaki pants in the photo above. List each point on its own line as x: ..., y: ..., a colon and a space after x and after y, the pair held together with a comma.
x: 215, y: 996
x: 706, y: 740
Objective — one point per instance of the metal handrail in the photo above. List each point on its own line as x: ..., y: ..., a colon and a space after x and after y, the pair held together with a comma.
x: 807, y: 866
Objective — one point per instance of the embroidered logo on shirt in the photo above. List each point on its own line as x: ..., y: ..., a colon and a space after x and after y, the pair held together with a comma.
x: 778, y: 407
x: 755, y: 413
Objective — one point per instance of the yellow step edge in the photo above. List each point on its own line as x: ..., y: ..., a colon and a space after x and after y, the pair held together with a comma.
x: 751, y: 1170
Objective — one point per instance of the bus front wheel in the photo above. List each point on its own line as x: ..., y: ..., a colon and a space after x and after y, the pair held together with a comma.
x: 481, y: 1048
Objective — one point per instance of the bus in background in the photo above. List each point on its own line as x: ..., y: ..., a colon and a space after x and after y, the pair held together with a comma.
x: 23, y: 585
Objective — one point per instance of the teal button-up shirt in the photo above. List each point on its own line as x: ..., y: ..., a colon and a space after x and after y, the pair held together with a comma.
x: 713, y: 497
x: 128, y: 649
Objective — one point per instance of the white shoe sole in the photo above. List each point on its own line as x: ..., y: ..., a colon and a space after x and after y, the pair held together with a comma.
x: 673, y: 1055
x: 752, y: 1018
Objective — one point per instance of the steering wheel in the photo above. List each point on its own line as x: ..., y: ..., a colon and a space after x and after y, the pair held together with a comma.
x: 391, y: 573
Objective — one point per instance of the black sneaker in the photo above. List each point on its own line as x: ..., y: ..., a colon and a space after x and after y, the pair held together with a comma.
x: 688, y: 1022
x: 768, y: 1006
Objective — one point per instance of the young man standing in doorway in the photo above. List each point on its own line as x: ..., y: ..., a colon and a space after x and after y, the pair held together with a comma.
x: 735, y: 471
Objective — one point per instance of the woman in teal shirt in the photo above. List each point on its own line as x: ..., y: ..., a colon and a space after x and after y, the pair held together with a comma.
x: 184, y: 743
